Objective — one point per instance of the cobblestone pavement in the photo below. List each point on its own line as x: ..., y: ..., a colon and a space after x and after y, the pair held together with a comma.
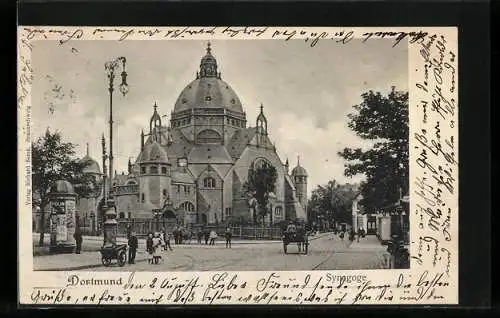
x: 325, y: 253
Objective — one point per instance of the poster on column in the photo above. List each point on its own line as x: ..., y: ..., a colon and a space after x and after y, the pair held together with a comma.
x: 70, y: 214
x: 62, y: 229
x: 379, y: 131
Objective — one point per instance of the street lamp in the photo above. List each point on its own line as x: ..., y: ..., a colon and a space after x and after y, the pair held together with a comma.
x: 110, y: 68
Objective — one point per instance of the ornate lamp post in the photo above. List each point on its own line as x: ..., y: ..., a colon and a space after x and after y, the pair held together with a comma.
x: 110, y: 68
x: 110, y: 224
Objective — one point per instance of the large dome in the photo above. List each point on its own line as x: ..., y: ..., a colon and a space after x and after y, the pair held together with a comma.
x: 208, y: 92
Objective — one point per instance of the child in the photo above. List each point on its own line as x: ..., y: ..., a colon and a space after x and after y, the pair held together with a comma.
x: 156, y: 246
x: 150, y: 248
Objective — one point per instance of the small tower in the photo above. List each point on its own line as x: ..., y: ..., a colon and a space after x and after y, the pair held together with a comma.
x: 299, y: 175
x: 208, y: 65
x: 142, y: 139
x: 130, y: 167
x: 155, y: 125
x: 261, y: 124
x: 155, y: 175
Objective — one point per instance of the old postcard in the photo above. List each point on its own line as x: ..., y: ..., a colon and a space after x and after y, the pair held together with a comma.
x: 237, y: 165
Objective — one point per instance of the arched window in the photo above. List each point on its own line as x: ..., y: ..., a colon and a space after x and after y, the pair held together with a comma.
x: 187, y: 206
x: 209, y: 182
x: 209, y: 136
x: 122, y: 215
x: 164, y: 170
x: 142, y: 197
x: 143, y: 170
x: 164, y: 192
x: 131, y: 182
x: 153, y: 169
x: 278, y: 211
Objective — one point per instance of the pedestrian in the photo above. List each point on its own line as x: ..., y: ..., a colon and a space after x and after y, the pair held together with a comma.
x: 163, y: 240
x: 229, y: 235
x: 360, y: 231
x: 181, y: 234
x: 351, y: 235
x: 168, y: 238
x: 78, y: 239
x: 207, y: 236
x: 176, y: 235
x: 150, y: 247
x: 132, y: 247
x: 213, y: 236
x: 156, y: 248
x: 199, y: 236
x: 341, y: 235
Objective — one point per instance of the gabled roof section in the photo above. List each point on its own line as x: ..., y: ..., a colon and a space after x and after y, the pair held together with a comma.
x: 182, y: 146
x: 120, y: 179
x: 240, y: 141
x: 209, y: 154
x: 182, y: 176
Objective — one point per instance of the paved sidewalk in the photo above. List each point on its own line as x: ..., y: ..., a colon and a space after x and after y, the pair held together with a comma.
x: 69, y: 262
x: 369, y: 242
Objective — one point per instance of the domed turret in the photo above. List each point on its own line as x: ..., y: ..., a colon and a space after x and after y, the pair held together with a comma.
x: 91, y: 165
x: 299, y: 175
x: 299, y: 171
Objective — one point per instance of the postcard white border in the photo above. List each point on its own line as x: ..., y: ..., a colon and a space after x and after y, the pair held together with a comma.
x: 432, y: 279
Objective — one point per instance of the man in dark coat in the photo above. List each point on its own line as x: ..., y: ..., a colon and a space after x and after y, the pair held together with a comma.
x: 78, y: 238
x: 132, y: 247
x: 206, y: 235
x: 228, y: 234
x: 199, y: 235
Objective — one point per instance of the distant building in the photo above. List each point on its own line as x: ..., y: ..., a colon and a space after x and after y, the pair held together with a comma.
x: 192, y: 170
x: 361, y: 219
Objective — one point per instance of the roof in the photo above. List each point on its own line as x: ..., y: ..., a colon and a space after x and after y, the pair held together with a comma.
x: 181, y: 145
x: 240, y: 141
x: 62, y: 187
x: 209, y: 154
x: 208, y: 92
x: 153, y: 152
x: 299, y: 171
x: 120, y: 179
x: 91, y: 165
x: 180, y: 176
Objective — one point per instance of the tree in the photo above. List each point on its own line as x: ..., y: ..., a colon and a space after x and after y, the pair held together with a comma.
x: 53, y: 160
x: 384, y: 121
x: 261, y: 182
x: 332, y: 201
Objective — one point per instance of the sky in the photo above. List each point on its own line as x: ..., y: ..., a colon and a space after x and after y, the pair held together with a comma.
x: 306, y: 92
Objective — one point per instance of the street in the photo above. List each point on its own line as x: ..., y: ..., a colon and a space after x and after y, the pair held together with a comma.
x: 328, y: 252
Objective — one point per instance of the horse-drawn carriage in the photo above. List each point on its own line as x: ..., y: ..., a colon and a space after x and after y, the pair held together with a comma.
x: 299, y: 236
x: 114, y: 252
